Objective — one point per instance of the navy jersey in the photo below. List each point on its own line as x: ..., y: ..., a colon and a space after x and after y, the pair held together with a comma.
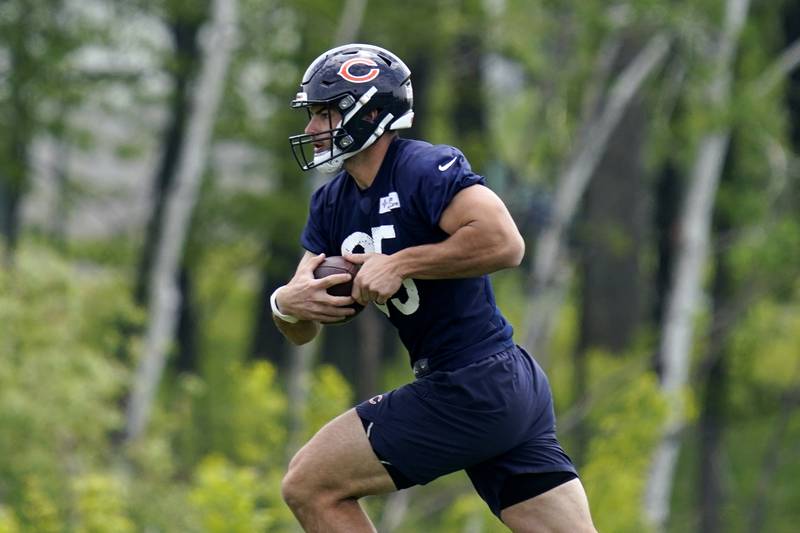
x: 444, y: 320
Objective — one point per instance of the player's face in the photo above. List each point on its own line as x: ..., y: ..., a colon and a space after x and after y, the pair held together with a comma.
x: 322, y: 119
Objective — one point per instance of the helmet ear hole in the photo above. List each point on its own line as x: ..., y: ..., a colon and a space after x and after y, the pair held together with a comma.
x: 372, y: 116
x: 346, y: 102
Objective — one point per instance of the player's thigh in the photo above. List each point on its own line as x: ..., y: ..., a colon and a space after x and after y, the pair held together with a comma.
x: 339, y: 461
x: 561, y: 509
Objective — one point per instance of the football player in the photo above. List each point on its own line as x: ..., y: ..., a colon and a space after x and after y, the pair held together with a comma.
x: 426, y: 231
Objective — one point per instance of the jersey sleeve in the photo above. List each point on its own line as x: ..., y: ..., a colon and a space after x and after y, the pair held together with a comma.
x: 442, y: 174
x: 314, y: 238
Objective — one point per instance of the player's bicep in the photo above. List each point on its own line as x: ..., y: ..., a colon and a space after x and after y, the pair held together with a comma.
x: 477, y: 205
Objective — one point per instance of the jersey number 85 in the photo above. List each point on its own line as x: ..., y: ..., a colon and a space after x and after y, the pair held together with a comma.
x: 373, y: 244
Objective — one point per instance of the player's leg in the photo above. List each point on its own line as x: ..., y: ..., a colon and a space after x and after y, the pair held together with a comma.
x: 563, y: 508
x: 534, y: 485
x: 328, y: 475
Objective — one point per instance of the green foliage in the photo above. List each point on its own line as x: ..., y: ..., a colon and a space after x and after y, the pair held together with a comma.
x: 157, y: 489
x: 329, y: 396
x: 764, y: 354
x: 57, y: 372
x: 760, y: 256
x: 226, y: 497
x: 214, y: 454
x: 8, y: 522
x: 559, y: 368
x: 626, y: 431
x: 39, y: 507
x: 256, y: 420
x: 248, y: 417
x: 625, y: 412
x: 101, y: 502
x: 469, y: 513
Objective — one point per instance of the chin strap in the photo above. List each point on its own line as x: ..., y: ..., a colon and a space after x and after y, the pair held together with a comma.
x: 375, y: 134
x: 335, y: 165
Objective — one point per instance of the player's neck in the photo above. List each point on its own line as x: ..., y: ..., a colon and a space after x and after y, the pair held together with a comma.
x: 364, y: 166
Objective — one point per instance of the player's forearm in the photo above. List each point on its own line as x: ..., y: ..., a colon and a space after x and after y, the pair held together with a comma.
x: 298, y: 333
x: 469, y: 251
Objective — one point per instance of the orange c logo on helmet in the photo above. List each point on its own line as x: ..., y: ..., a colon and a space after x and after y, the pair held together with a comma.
x: 344, y: 70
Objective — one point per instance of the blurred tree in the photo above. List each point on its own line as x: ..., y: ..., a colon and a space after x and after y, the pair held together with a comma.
x: 610, y: 234
x: 613, y: 227
x: 713, y: 408
x: 164, y: 298
x: 521, y: 86
x: 549, y: 270
x: 686, y: 288
x: 183, y: 21
x: 37, y: 40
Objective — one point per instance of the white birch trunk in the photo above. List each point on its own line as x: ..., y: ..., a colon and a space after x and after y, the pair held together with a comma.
x: 787, y: 61
x: 350, y: 21
x: 549, y: 277
x: 182, y: 195
x: 395, y: 510
x: 684, y: 298
x: 301, y: 361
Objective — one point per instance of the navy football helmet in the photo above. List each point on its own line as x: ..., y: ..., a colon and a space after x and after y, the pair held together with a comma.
x: 354, y: 79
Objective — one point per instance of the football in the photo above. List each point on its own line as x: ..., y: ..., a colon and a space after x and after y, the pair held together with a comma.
x: 339, y: 265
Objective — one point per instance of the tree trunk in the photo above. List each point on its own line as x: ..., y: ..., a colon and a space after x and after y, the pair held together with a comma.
x: 301, y: 361
x: 773, y: 457
x: 713, y: 410
x: 792, y: 31
x: 184, y: 29
x: 268, y: 343
x: 469, y: 106
x: 549, y: 268
x: 14, y: 180
x: 341, y: 347
x: 394, y: 511
x: 59, y: 221
x: 612, y: 232
x: 370, y: 326
x: 187, y: 324
x: 184, y: 35
x: 667, y: 192
x: 350, y: 22
x: 684, y: 295
x: 163, y: 300
x: 580, y: 392
x: 711, y: 429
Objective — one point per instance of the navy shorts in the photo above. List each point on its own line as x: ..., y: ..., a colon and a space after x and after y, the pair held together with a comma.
x: 493, y: 418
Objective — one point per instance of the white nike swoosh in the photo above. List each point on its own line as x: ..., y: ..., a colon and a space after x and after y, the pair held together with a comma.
x: 448, y: 164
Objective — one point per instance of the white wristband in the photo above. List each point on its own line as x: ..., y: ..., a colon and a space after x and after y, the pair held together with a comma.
x: 273, y: 303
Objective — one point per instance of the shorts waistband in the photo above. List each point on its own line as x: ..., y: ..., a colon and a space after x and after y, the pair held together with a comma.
x: 425, y: 366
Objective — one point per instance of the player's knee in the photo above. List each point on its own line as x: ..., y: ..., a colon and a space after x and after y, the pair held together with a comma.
x: 295, y: 487
x: 301, y: 487
x: 295, y: 490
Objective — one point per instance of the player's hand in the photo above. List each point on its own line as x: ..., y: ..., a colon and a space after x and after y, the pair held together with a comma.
x: 306, y: 298
x: 377, y: 279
